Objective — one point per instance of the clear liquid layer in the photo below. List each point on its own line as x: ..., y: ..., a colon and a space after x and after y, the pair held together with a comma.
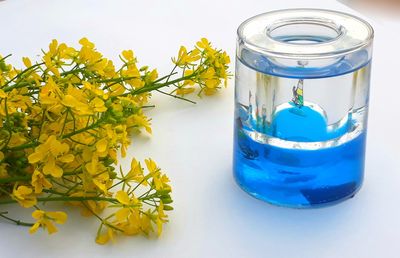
x: 300, y: 155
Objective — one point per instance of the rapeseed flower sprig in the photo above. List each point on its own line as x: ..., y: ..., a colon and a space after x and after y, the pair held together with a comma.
x: 67, y: 118
x: 204, y: 66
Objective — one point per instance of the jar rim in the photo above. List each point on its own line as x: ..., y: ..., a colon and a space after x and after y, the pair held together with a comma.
x: 353, y: 33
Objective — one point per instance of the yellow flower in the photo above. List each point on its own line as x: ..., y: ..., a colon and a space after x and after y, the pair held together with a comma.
x: 3, y: 95
x: 209, y: 78
x: 185, y: 58
x: 145, y: 222
x: 99, y: 174
x: 132, y: 226
x: 90, y: 206
x: 66, y: 52
x: 51, y: 168
x: 128, y: 55
x: 50, y: 94
x: 47, y: 219
x: 142, y: 121
x: 90, y: 57
x: 101, y: 145
x: 94, y: 89
x: 161, y: 218
x: 86, y: 43
x: 47, y: 58
x: 209, y: 91
x: 99, y: 65
x: 52, y: 147
x: 133, y: 72
x: 152, y: 76
x: 102, y: 181
x: 225, y: 58
x: 188, y: 81
x: 116, y: 89
x: 109, y: 70
x: 49, y: 153
x: 78, y: 107
x: 39, y: 181
x: 53, y: 47
x: 135, y: 173
x: 4, y: 170
x: 98, y: 105
x: 151, y: 165
x: 16, y: 102
x: 118, y: 135
x: 129, y: 205
x: 123, y: 198
x: 17, y: 139
x: 106, y: 236
x: 24, y: 195
x: 27, y: 62
x: 160, y: 180
x: 92, y: 167
x: 184, y: 91
x: 204, y: 44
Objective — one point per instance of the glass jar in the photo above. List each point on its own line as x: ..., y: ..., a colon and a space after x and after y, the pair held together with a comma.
x: 301, y: 106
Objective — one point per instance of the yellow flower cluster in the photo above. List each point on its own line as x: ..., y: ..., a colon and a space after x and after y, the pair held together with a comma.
x: 204, y: 66
x: 66, y: 118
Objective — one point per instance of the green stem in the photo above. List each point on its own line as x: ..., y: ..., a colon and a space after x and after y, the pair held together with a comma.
x: 73, y: 70
x: 116, y: 184
x: 175, y: 96
x: 66, y: 199
x: 4, y: 58
x: 28, y: 177
x: 6, y: 89
x: 156, y: 86
x: 14, y: 179
x: 18, y: 222
x: 54, y: 192
x: 92, y: 126
x: 23, y: 146
x: 34, y: 144
x: 23, y: 83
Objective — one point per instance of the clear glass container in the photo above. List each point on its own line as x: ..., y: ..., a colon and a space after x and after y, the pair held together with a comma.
x: 301, y: 106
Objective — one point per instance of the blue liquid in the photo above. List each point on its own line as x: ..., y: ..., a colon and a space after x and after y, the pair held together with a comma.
x: 299, y: 177
x: 304, y: 125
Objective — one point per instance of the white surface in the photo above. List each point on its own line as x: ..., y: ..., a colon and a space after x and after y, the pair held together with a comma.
x: 193, y: 143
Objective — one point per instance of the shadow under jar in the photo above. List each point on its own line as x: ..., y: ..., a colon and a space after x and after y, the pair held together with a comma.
x: 301, y: 106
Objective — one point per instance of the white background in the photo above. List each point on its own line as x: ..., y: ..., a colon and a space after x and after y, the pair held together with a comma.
x: 193, y: 143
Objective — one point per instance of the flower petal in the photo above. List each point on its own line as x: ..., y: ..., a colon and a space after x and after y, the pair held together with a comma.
x: 122, y: 197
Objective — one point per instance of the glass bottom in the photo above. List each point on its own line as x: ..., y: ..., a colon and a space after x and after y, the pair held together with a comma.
x: 299, y: 178
x: 283, y: 202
